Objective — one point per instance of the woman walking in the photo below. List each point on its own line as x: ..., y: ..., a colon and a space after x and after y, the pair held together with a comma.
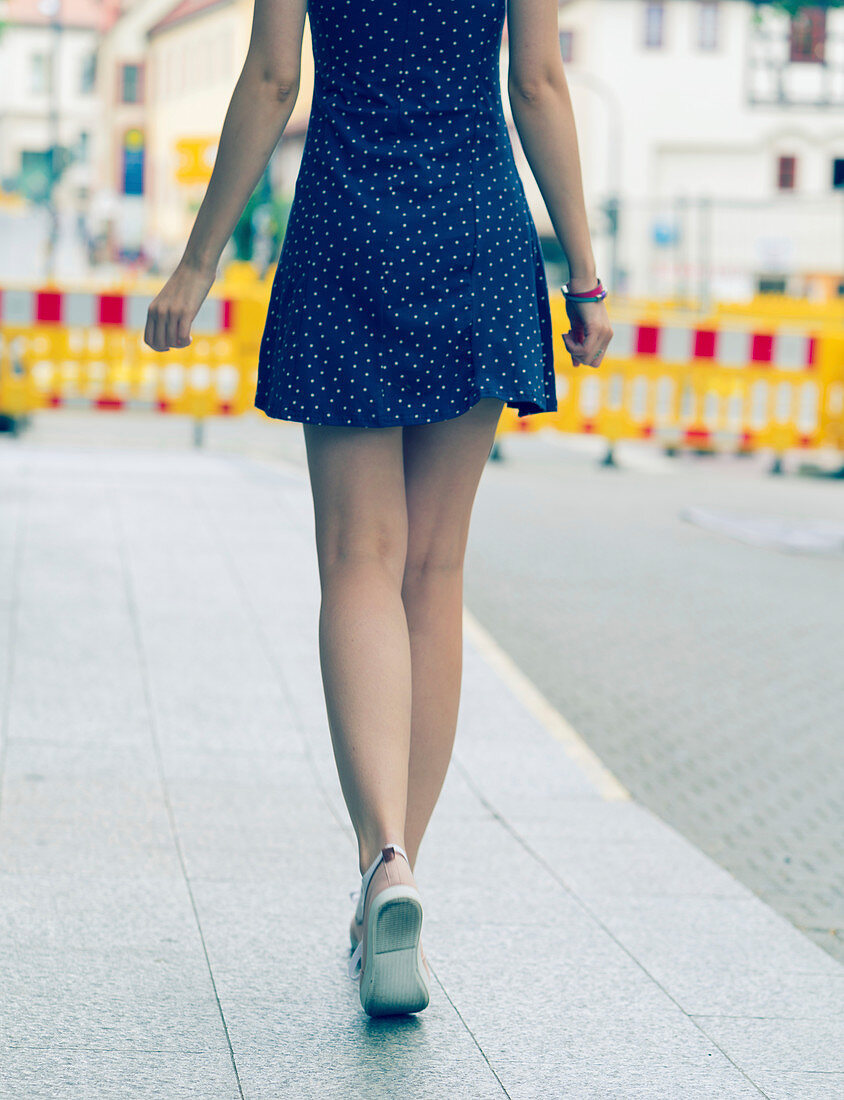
x: 409, y: 305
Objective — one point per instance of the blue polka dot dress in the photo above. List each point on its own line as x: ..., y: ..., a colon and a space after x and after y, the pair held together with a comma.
x: 410, y: 282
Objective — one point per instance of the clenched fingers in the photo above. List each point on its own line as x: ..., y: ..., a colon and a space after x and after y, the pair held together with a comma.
x: 167, y: 327
x: 591, y: 350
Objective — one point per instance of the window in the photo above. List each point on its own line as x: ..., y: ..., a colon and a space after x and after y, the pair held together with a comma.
x: 707, y: 25
x: 838, y: 172
x: 808, y: 34
x: 654, y: 25
x: 771, y: 284
x: 88, y: 74
x: 131, y: 90
x: 786, y: 173
x: 40, y: 74
x: 566, y: 44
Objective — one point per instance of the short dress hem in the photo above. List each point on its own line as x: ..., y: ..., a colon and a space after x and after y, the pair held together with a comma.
x: 524, y: 406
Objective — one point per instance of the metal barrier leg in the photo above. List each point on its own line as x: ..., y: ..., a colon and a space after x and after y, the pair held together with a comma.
x: 198, y: 431
x: 609, y: 457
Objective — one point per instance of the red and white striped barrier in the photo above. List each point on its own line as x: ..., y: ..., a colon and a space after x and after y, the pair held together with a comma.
x: 57, y: 400
x: 723, y: 347
x: 82, y: 309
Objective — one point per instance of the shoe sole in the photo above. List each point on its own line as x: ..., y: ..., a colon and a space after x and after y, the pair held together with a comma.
x: 394, y: 980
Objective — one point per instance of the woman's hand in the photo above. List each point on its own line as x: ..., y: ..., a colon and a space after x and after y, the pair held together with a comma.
x: 590, y: 332
x: 171, y: 312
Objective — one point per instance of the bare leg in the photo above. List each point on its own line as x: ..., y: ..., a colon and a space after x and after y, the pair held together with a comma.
x: 360, y: 516
x: 391, y: 510
x: 443, y: 463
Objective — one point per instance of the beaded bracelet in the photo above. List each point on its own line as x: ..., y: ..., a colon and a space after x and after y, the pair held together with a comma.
x: 597, y: 294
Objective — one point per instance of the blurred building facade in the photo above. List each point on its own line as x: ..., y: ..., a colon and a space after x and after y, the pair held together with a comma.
x: 121, y: 154
x: 719, y: 128
x: 195, y: 52
x: 710, y: 132
x: 190, y: 53
x: 48, y: 95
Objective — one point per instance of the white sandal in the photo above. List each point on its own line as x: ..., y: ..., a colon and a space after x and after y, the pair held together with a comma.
x: 394, y: 980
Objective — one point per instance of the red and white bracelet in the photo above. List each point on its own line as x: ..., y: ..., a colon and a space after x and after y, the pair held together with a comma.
x: 597, y: 294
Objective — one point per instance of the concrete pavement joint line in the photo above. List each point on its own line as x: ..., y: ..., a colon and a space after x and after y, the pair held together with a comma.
x: 123, y: 553
x: 471, y: 1033
x: 756, y: 1016
x: 536, y: 703
x: 272, y: 664
x: 596, y: 918
x: 103, y: 1050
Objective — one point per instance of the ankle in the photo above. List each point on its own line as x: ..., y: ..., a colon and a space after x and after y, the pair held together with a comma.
x: 367, y: 853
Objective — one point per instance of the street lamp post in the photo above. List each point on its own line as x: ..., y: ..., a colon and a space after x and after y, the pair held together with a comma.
x: 52, y: 9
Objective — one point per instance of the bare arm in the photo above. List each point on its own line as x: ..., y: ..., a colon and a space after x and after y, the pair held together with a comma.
x: 261, y: 104
x: 542, y: 111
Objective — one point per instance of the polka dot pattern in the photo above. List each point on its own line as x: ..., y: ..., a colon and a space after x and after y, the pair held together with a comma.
x: 410, y: 282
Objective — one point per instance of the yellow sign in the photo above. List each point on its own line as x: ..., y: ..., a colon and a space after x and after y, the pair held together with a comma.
x: 196, y: 159
x: 133, y: 139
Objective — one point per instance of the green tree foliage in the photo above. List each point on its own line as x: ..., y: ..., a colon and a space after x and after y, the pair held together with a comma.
x: 793, y: 7
x: 273, y: 212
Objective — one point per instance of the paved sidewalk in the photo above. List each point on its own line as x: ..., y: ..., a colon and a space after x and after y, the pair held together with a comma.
x: 176, y: 858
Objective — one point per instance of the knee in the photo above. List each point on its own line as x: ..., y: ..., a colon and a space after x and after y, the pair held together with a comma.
x: 435, y: 565
x: 381, y: 547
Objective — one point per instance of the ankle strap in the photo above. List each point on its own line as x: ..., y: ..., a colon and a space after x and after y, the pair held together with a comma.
x: 370, y: 871
x: 396, y: 848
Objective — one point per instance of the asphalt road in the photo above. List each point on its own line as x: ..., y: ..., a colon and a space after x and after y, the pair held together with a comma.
x: 706, y: 672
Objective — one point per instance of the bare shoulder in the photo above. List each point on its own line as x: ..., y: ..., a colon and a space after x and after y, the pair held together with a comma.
x: 533, y: 42
x: 276, y: 38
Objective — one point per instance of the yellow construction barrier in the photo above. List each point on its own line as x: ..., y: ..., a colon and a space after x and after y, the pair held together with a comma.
x: 84, y: 348
x: 704, y: 385
x: 734, y: 381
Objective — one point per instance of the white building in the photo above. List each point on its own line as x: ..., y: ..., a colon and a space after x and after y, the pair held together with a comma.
x: 720, y: 126
x: 121, y: 151
x: 47, y: 94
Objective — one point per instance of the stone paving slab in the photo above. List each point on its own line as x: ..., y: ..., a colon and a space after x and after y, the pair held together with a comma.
x: 176, y: 858
x: 46, y: 1073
